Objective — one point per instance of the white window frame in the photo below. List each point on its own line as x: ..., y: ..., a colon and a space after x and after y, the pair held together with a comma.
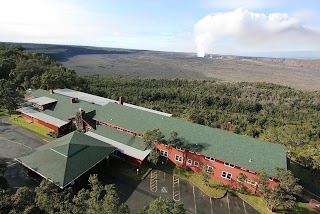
x: 251, y: 182
x: 180, y: 149
x: 226, y: 175
x: 229, y: 165
x: 209, y: 158
x: 163, y: 153
x: 178, y: 158
x: 208, y: 169
x: 189, y: 161
x: 196, y: 163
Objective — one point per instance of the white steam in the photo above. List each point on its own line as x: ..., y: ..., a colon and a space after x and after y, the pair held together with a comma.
x: 254, y: 31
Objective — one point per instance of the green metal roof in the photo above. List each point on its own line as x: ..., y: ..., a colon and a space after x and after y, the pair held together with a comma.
x: 63, y: 109
x: 244, y: 151
x: 120, y: 137
x: 66, y: 158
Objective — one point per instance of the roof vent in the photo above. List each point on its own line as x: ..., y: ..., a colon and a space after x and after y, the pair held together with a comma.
x: 250, y: 160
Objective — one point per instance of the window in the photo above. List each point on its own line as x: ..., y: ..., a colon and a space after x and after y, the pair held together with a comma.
x: 163, y: 153
x: 229, y: 165
x: 196, y: 163
x: 180, y: 148
x: 253, y: 183
x: 209, y: 169
x: 189, y: 161
x: 226, y: 175
x: 179, y: 158
x: 209, y: 158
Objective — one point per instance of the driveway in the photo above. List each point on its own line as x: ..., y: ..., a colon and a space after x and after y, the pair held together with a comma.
x: 16, y: 141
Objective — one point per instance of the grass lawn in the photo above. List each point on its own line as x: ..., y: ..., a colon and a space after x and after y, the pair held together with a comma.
x: 257, y: 202
x: 17, y: 119
x: 261, y: 205
x: 303, y: 208
x: 214, y: 188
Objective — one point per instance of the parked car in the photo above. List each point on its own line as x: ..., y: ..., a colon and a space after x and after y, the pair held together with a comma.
x: 315, y: 204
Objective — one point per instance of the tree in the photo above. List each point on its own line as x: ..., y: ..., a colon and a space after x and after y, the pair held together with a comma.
x: 263, y: 184
x: 205, y: 173
x: 241, y: 178
x: 282, y: 195
x: 151, y: 138
x: 45, y: 196
x: 98, y: 199
x: 112, y: 203
x: 172, y: 142
x: 163, y: 206
x: 8, y: 95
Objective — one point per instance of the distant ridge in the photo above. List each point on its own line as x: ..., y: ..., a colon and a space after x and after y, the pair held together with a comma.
x: 301, y: 74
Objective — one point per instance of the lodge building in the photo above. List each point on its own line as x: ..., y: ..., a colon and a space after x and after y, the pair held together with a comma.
x: 121, y: 126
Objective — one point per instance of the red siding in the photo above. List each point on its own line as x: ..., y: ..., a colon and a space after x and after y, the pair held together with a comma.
x: 131, y: 159
x: 43, y: 123
x: 217, y: 165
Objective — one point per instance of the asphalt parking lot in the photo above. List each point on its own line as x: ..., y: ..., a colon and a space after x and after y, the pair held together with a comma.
x: 15, y: 141
x: 165, y: 185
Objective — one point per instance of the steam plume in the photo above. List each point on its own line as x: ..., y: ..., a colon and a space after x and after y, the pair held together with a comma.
x: 250, y: 30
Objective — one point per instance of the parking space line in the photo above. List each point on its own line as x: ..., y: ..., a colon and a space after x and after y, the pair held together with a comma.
x: 244, y: 206
x: 228, y: 202
x: 154, y: 181
x: 194, y: 199
x: 176, y: 188
x: 211, y: 205
x: 21, y: 144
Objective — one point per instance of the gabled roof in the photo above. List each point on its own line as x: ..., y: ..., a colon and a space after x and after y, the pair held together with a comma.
x: 247, y: 152
x: 102, y: 101
x: 63, y: 109
x: 42, y: 100
x: 67, y: 158
x: 41, y: 116
x: 84, y: 96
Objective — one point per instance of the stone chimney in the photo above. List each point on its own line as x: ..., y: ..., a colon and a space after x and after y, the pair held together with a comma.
x: 51, y: 91
x: 121, y: 100
x: 228, y: 126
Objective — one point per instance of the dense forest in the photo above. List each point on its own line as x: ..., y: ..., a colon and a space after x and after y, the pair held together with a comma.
x: 270, y: 112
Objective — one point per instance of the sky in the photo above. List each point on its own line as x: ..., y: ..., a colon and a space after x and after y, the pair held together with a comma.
x: 196, y: 26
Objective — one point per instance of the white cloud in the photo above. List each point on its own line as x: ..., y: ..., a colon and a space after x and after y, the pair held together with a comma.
x: 254, y: 32
x: 45, y: 20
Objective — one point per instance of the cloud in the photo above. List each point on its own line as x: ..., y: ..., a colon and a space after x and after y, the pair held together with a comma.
x: 49, y: 21
x: 254, y: 31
